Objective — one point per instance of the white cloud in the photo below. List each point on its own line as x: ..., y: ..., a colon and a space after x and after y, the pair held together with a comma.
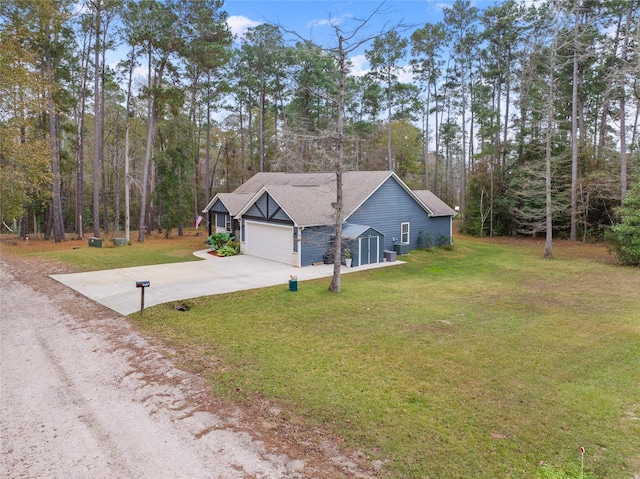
x: 329, y: 22
x: 405, y: 75
x: 239, y: 25
x: 79, y: 8
x: 361, y: 68
x: 360, y: 65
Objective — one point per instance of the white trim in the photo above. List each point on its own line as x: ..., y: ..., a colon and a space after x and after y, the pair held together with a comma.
x: 290, y: 255
x: 377, y: 255
x: 408, y: 233
x: 256, y: 197
x: 210, y: 204
x: 450, y: 231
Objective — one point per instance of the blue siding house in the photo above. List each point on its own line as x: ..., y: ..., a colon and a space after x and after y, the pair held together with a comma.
x: 289, y: 217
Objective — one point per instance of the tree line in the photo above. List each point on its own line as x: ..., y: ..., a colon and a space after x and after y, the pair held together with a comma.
x: 525, y: 116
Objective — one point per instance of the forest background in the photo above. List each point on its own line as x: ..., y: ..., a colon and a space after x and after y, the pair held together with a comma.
x: 523, y: 114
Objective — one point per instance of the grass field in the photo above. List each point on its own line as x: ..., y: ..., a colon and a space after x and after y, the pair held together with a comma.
x: 483, y: 361
x: 156, y: 249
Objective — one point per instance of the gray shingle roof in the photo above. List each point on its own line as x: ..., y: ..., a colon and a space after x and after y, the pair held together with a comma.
x: 234, y: 202
x: 352, y: 231
x: 435, y: 204
x: 307, y: 198
x: 305, y: 205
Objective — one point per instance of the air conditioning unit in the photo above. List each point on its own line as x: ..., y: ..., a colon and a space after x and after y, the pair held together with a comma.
x: 401, y: 248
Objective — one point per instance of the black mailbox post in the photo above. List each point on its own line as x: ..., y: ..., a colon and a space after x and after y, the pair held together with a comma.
x: 142, y: 285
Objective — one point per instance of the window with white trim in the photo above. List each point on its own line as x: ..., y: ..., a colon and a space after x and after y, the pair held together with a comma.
x: 404, y: 233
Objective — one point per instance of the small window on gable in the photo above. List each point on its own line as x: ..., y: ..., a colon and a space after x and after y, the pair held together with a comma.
x: 404, y: 233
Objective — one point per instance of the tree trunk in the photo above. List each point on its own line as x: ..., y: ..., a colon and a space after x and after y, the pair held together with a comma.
x: 147, y: 156
x: 426, y: 139
x: 335, y: 286
x: 262, y: 112
x: 623, y: 112
x: 243, y: 165
x: 605, y: 106
x: 207, y: 161
x: 80, y: 137
x: 548, y: 249
x: 505, y: 136
x: 437, y: 145
x: 58, y: 225
x: 195, y: 85
x: 390, y: 158
x: 102, y: 147
x: 127, y: 179
x: 573, y: 235
x: 118, y: 180
x: 463, y: 188
x: 97, y: 140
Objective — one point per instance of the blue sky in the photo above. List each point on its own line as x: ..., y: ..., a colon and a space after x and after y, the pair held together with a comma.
x: 311, y: 19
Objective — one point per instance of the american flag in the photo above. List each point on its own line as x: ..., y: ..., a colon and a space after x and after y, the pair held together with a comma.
x: 199, y: 220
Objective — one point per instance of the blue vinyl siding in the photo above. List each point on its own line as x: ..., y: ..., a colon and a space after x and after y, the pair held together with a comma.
x: 316, y: 242
x: 254, y: 212
x: 389, y: 207
x: 218, y: 207
x: 438, y: 227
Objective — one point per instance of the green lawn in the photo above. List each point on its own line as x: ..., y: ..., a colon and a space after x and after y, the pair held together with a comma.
x: 156, y: 249
x: 484, y: 361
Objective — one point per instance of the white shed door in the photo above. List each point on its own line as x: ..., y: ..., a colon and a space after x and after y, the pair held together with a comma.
x: 274, y: 242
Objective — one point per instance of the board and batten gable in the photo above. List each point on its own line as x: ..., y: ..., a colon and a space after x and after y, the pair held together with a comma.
x: 390, y: 206
x: 267, y: 209
x: 219, y: 207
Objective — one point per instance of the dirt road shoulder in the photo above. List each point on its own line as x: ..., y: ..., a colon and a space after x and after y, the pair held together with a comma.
x: 84, y: 395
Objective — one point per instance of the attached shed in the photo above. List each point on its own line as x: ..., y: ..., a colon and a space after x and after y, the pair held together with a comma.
x: 366, y: 244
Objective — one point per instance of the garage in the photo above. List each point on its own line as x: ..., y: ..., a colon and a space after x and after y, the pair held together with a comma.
x: 269, y: 241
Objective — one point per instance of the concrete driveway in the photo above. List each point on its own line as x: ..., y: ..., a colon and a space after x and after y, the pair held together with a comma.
x: 116, y: 288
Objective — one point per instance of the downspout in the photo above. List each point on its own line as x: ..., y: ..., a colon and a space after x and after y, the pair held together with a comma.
x: 450, y: 230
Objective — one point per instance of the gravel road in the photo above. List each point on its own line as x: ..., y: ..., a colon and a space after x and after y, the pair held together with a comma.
x: 84, y: 396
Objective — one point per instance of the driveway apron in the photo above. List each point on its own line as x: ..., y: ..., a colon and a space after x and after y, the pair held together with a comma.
x: 116, y: 288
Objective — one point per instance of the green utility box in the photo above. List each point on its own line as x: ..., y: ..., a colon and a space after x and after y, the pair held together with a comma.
x: 293, y: 285
x: 95, y: 242
x: 119, y: 241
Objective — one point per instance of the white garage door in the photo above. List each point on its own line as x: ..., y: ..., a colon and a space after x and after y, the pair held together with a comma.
x: 274, y: 242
